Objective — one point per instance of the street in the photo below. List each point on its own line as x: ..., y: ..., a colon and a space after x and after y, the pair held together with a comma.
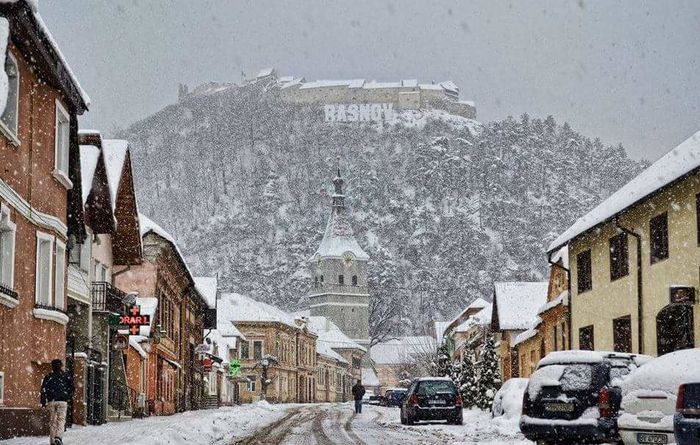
x: 330, y: 424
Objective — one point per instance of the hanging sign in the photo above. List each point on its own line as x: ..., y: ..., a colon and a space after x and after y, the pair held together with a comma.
x: 207, y: 364
x: 234, y: 367
x: 134, y: 319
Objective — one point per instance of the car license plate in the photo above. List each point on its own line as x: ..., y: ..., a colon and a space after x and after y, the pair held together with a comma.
x: 651, y: 438
x: 559, y: 407
x: 438, y: 402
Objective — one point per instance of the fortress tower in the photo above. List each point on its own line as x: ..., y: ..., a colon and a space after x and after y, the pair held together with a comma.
x: 339, y: 269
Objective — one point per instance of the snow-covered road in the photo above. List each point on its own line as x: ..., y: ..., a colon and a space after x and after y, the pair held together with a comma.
x: 291, y: 424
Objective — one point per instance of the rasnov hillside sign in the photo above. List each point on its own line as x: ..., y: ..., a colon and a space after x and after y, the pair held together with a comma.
x: 358, y: 112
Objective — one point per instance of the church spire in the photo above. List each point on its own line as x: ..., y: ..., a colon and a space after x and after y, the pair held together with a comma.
x: 338, y: 196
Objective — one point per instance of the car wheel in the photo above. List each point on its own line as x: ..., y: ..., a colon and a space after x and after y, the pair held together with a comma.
x: 403, y: 419
x: 409, y: 420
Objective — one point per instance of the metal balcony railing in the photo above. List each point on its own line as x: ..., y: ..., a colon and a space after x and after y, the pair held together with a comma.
x: 7, y: 290
x: 106, y: 297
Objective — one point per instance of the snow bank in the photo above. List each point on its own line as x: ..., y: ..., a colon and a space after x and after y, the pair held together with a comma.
x: 676, y: 163
x: 508, y: 402
x: 211, y: 426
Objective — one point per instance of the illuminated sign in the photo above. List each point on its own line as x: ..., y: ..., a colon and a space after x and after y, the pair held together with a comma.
x: 682, y: 294
x: 134, y: 319
x: 234, y: 368
x: 358, y: 112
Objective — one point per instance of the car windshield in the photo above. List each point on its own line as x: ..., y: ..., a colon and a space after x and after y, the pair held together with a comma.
x: 432, y: 387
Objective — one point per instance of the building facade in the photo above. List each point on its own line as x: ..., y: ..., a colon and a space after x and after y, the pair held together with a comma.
x: 634, y: 261
x: 40, y: 212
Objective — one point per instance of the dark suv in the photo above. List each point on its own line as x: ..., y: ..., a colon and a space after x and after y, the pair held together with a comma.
x: 394, y: 396
x: 574, y: 397
x: 686, y: 422
x: 432, y: 398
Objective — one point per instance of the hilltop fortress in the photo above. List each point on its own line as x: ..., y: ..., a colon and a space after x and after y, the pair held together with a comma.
x: 341, y: 98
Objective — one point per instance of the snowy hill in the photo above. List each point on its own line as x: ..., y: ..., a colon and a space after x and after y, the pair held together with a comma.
x: 443, y: 205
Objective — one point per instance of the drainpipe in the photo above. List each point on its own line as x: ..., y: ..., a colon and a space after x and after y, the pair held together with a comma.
x: 569, y: 334
x: 640, y: 323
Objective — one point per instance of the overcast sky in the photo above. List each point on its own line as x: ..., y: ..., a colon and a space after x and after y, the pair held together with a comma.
x: 626, y: 71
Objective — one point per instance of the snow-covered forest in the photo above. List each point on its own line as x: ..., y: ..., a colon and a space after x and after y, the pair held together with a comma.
x: 443, y: 205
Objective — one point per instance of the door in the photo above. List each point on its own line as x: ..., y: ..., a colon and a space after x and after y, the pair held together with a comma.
x: 674, y: 328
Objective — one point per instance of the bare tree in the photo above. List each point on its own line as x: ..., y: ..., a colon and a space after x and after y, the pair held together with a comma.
x: 383, y: 319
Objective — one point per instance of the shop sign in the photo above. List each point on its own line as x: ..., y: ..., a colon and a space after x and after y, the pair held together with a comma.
x: 207, y: 363
x: 234, y: 367
x: 682, y: 294
x: 134, y: 319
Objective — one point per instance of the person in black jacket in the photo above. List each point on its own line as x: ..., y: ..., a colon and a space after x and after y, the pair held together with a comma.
x: 56, y: 391
x: 358, y: 392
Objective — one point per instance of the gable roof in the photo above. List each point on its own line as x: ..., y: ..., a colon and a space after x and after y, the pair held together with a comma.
x: 240, y: 308
x: 474, y: 307
x: 402, y: 350
x: 147, y: 226
x: 114, y: 151
x: 673, y: 166
x: 330, y: 334
x: 481, y: 318
x: 515, y: 304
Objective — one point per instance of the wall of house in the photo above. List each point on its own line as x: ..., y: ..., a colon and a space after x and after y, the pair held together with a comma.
x: 27, y: 169
x: 612, y: 299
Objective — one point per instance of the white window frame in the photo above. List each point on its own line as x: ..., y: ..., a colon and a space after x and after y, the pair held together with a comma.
x: 251, y: 387
x: 60, y: 276
x: 44, y: 237
x: 12, y: 133
x: 212, y: 383
x: 8, y: 235
x: 2, y: 388
x: 61, y: 158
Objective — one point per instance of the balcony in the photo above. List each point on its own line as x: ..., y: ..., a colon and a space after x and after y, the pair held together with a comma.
x: 8, y: 296
x: 107, y: 298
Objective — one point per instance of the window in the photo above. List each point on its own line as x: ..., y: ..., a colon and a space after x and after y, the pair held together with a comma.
x: 257, y: 349
x: 100, y: 272
x: 658, y: 235
x: 244, y: 349
x: 584, y: 271
x: 619, y: 256
x: 7, y: 248
x: 341, y: 279
x: 60, y: 281
x: 251, y: 383
x: 556, y: 337
x: 80, y: 255
x: 2, y: 388
x: 44, y: 253
x: 585, y: 338
x: 62, y: 141
x: 354, y: 280
x: 10, y: 117
x: 622, y: 334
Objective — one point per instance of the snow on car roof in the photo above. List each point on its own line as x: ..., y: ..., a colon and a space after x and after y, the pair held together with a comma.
x: 517, y: 303
x: 666, y: 373
x: 430, y: 379
x: 578, y: 356
x: 681, y: 160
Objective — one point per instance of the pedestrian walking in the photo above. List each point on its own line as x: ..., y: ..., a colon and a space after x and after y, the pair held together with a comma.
x: 56, y: 391
x: 358, y: 392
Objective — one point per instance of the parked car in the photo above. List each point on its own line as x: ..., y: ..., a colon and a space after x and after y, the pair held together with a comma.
x: 686, y: 422
x: 375, y: 400
x: 574, y: 397
x: 650, y: 395
x: 394, y: 396
x: 508, y: 401
x: 432, y: 398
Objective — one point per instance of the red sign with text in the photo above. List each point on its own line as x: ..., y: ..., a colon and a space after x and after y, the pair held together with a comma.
x: 134, y: 319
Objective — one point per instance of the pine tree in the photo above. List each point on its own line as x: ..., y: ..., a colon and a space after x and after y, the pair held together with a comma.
x: 489, y: 376
x: 443, y: 361
x: 467, y: 382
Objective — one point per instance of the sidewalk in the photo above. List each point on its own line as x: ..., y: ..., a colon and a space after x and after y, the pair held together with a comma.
x: 203, y: 427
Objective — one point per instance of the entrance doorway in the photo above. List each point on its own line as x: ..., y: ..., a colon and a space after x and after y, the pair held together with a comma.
x: 674, y: 328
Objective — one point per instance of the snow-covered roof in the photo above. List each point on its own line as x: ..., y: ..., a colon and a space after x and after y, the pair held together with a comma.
x: 527, y: 334
x: 681, y: 160
x: 325, y: 349
x: 265, y: 72
x: 330, y: 334
x: 402, y: 350
x: 440, y: 327
x: 481, y: 318
x: 563, y: 256
x: 223, y: 343
x: 517, y: 302
x: 114, y: 152
x: 146, y: 225
x: 89, y: 155
x: 135, y: 342
x: 369, y: 378
x: 476, y: 304
x: 207, y: 288
x: 562, y: 299
x: 239, y: 308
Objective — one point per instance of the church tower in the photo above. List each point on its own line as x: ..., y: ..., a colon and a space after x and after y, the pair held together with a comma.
x: 339, y: 270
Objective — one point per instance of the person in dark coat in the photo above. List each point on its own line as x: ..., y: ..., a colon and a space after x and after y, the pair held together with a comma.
x: 56, y: 391
x: 358, y: 392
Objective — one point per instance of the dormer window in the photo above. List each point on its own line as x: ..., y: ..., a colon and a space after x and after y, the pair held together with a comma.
x: 341, y: 279
x: 354, y: 280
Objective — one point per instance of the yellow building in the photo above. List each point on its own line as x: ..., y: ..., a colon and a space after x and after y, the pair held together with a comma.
x: 635, y: 260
